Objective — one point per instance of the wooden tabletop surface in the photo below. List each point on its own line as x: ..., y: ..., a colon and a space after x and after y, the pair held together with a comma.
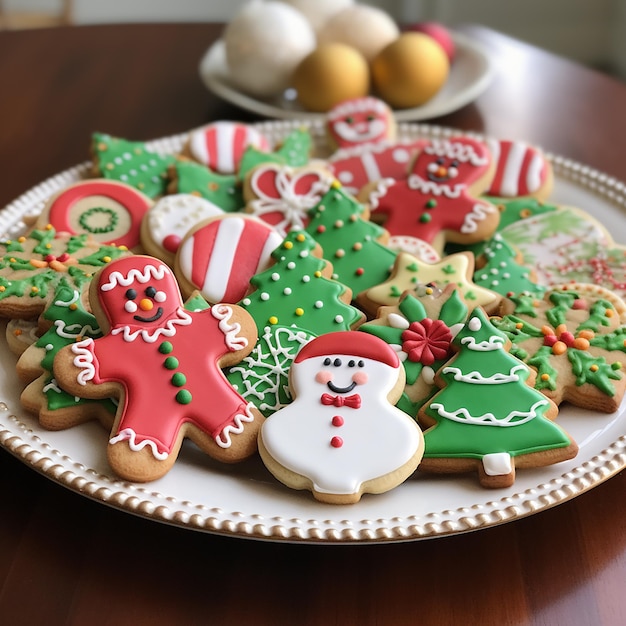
x: 65, y: 559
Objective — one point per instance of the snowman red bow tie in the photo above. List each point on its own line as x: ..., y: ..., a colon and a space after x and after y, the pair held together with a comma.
x: 353, y: 401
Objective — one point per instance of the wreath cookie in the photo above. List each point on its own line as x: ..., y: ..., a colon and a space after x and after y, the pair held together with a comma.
x: 575, y: 338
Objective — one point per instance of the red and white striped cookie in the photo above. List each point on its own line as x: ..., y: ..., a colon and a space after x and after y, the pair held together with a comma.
x: 109, y: 211
x: 220, y: 145
x: 220, y: 255
x: 521, y: 170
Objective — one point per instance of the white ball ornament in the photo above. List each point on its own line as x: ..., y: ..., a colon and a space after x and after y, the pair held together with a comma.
x: 366, y: 28
x: 318, y: 12
x: 264, y: 43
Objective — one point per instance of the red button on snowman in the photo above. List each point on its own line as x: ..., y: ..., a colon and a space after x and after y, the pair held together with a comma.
x: 342, y: 436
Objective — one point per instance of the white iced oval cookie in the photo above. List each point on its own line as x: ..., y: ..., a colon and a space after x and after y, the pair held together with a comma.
x: 342, y: 436
x: 170, y: 219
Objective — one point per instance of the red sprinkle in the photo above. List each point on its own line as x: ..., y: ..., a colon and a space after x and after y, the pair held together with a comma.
x: 336, y: 442
x: 321, y: 228
x: 337, y: 420
x: 359, y: 271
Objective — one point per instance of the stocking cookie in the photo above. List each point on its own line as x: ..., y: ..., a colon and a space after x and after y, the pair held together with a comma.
x: 488, y: 417
x: 521, y: 170
x: 130, y: 162
x: 439, y: 202
x: 341, y: 436
x: 170, y: 219
x: 220, y: 145
x: 164, y: 364
x: 109, y: 211
x: 575, y: 338
x: 219, y: 256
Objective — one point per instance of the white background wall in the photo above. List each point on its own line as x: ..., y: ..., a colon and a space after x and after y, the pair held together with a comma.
x: 589, y: 31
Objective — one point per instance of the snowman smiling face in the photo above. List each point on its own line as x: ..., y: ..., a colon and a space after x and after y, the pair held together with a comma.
x: 338, y: 371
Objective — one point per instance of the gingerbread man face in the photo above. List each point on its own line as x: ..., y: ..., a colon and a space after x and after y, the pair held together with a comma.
x: 359, y: 121
x: 456, y: 164
x: 140, y: 292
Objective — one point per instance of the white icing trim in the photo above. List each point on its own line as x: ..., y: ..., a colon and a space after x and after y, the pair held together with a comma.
x: 359, y: 105
x: 478, y: 213
x: 455, y: 150
x: 71, y: 331
x: 84, y: 360
x: 73, y: 299
x: 149, y: 272
x: 167, y: 330
x: 223, y: 313
x: 415, y: 181
x: 236, y: 428
x: 477, y: 378
x: 489, y: 419
x: 493, y: 343
x: 128, y: 434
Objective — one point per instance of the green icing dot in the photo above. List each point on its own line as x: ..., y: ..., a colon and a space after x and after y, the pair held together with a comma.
x: 431, y: 204
x: 183, y: 397
x: 106, y: 227
x: 425, y: 218
x: 166, y: 347
x: 171, y: 363
x: 179, y: 379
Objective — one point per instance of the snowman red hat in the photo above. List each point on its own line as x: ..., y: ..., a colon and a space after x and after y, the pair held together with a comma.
x: 352, y: 343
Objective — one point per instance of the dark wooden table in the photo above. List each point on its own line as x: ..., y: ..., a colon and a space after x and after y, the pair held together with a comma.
x: 67, y: 560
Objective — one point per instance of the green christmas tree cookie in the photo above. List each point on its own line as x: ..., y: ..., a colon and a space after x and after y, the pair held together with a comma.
x: 130, y: 162
x: 352, y: 244
x: 487, y: 417
x: 220, y: 189
x: 296, y: 290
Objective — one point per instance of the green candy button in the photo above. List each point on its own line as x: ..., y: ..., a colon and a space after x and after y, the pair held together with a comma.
x: 171, y: 363
x: 166, y: 347
x: 183, y: 396
x: 179, y: 379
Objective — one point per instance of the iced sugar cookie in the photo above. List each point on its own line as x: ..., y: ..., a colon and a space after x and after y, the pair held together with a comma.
x: 20, y: 334
x: 576, y: 340
x: 283, y: 196
x: 409, y: 272
x: 487, y: 417
x: 341, y: 436
x: 32, y: 265
x: 164, y: 363
x: 170, y: 219
x: 297, y: 290
x: 439, y: 201
x: 130, y: 162
x: 521, y: 170
x: 109, y: 211
x: 420, y: 328
x: 220, y: 255
x: 220, y: 145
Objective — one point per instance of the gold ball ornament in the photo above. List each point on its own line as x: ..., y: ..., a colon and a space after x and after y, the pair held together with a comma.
x: 332, y: 73
x: 410, y: 71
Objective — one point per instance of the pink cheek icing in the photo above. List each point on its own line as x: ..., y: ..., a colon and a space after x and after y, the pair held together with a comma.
x: 323, y: 377
x: 360, y: 378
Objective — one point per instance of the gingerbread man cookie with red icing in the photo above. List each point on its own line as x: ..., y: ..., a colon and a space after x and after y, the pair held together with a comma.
x: 164, y: 364
x: 439, y: 201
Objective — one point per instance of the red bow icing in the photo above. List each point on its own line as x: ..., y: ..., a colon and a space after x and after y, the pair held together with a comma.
x: 353, y: 401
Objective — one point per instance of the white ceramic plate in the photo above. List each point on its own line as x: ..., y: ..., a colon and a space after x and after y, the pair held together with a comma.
x: 470, y: 75
x: 245, y: 501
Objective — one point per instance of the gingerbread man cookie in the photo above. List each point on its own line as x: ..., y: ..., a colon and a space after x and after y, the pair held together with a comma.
x: 164, y: 364
x: 439, y: 201
x: 341, y: 436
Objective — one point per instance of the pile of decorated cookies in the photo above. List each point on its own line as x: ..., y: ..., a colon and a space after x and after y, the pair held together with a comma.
x: 387, y: 308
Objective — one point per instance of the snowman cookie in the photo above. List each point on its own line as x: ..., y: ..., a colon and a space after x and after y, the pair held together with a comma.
x: 164, y: 364
x: 341, y: 436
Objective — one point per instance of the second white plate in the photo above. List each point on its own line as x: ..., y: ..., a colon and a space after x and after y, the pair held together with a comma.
x: 470, y: 75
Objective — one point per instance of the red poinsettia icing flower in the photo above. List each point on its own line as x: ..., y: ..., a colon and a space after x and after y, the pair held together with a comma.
x: 427, y: 341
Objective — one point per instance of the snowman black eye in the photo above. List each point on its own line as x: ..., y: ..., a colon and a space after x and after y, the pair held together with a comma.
x: 350, y: 120
x: 337, y: 362
x: 361, y: 364
x: 150, y: 291
x: 454, y: 163
x: 440, y: 161
x: 351, y: 363
x: 327, y: 361
x: 131, y: 294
